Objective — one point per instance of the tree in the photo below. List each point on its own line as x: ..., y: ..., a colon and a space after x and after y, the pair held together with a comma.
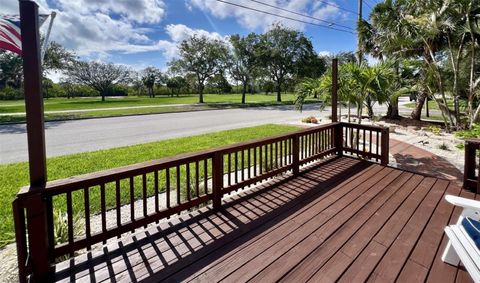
x: 11, y: 68
x: 219, y: 84
x: 202, y: 57
x: 281, y: 51
x: 99, y: 76
x: 175, y: 84
x: 150, y: 77
x: 243, y: 59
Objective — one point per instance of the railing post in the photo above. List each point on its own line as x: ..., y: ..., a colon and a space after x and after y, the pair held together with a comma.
x: 296, y: 155
x: 217, y: 170
x: 385, y: 139
x: 338, y: 139
x: 471, y: 146
x: 38, y: 237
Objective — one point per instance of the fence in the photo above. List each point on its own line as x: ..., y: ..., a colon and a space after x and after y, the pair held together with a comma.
x: 128, y: 198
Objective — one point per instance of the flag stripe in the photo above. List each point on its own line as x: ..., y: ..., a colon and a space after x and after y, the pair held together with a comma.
x: 10, y: 38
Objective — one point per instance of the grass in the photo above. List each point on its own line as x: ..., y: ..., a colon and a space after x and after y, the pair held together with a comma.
x: 212, y: 101
x: 14, y: 176
x: 59, y: 104
x: 432, y: 104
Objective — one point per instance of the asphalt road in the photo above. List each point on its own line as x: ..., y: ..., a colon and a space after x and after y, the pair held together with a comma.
x: 93, y: 134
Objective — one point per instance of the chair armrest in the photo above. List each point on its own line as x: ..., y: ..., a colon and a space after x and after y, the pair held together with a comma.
x: 463, y: 202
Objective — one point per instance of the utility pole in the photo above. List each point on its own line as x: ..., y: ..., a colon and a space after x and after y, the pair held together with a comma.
x: 359, y: 43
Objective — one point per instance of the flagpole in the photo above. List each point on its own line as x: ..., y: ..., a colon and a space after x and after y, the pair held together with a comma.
x: 47, y: 37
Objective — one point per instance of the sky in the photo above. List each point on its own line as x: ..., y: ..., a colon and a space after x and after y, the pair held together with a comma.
x: 142, y: 33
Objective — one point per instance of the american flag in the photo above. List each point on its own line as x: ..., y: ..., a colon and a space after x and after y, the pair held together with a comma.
x: 10, y: 38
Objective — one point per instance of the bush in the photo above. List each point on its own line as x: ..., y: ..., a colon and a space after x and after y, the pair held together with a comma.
x: 310, y: 120
x: 443, y: 146
x: 10, y: 93
x: 436, y: 130
x: 474, y: 132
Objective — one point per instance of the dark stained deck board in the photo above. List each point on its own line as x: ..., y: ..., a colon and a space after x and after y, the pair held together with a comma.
x: 342, y: 247
x: 440, y: 271
x: 341, y: 219
x: 345, y: 220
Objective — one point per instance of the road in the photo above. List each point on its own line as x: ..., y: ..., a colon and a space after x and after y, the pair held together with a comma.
x: 93, y: 134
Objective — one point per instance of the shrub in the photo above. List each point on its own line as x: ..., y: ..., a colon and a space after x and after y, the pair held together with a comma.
x: 474, y: 132
x: 60, y: 229
x: 310, y: 120
x: 443, y: 146
x: 10, y: 93
x: 436, y: 130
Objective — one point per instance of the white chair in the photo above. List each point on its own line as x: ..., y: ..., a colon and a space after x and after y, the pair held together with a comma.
x: 462, y: 247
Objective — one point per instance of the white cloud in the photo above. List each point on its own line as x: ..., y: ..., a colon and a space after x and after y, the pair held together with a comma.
x: 94, y: 28
x: 253, y: 20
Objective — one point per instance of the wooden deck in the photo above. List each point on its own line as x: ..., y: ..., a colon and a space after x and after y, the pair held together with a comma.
x: 346, y: 220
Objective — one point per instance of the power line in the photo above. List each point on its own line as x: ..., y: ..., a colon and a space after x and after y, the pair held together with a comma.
x: 300, y: 14
x: 284, y: 17
x: 337, y: 6
x: 368, y: 5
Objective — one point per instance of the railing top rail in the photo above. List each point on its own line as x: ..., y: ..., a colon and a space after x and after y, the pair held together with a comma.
x: 473, y: 141
x: 110, y: 175
x: 363, y: 126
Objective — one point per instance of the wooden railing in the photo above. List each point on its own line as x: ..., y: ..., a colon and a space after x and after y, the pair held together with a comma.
x: 471, y: 177
x: 104, y: 205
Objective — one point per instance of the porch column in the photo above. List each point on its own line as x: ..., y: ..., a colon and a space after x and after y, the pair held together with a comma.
x: 39, y: 252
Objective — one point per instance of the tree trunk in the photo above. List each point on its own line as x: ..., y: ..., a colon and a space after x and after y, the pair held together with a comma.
x: 392, y: 111
x: 244, y: 92
x: 349, y: 114
x: 417, y: 112
x: 279, y: 93
x: 200, y: 94
x: 103, y: 96
x: 369, y: 107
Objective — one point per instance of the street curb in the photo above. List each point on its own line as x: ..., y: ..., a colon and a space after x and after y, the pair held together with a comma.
x: 143, y: 114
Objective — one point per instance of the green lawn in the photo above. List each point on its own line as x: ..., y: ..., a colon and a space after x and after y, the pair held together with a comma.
x: 56, y: 104
x: 15, y: 175
x: 166, y: 105
x: 433, y: 104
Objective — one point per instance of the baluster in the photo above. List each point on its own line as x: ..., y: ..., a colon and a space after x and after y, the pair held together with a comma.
x: 236, y: 167
x: 70, y: 222
x: 205, y: 175
x: 144, y: 187
x: 132, y: 201
x: 167, y: 185
x: 197, y: 179
x: 370, y: 142
x: 178, y: 185
x: 229, y: 162
x: 118, y: 204
x: 103, y: 210
x: 255, y: 161
x: 260, y: 158
x: 86, y: 201
x: 364, y: 146
x: 155, y: 176
x: 187, y: 177
x: 271, y: 157
x: 249, y: 161
x: 243, y: 165
x: 281, y: 153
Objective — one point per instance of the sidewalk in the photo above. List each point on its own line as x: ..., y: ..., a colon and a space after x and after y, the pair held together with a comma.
x: 103, y: 109
x: 412, y: 158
